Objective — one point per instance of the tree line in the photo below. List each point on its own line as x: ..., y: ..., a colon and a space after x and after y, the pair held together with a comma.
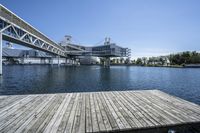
x: 185, y: 58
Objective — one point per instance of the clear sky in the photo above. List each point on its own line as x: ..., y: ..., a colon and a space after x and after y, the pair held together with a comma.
x: 148, y: 27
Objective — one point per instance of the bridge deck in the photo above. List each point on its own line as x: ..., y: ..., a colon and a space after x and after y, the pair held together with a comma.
x: 150, y: 110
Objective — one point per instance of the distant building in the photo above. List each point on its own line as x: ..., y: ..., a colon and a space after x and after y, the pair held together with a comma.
x: 160, y: 60
x: 19, y: 56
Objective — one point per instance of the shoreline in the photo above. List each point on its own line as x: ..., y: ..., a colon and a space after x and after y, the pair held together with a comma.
x: 171, y: 66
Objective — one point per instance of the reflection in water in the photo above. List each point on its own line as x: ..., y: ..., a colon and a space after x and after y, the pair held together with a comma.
x: 30, y: 79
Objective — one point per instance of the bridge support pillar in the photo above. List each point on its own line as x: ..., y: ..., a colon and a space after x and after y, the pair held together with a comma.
x: 58, y: 60
x: 106, y: 62
x: 72, y: 62
x: 51, y: 61
x: 66, y: 61
x: 1, y: 43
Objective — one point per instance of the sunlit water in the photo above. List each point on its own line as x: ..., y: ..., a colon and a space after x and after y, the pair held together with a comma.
x: 31, y: 79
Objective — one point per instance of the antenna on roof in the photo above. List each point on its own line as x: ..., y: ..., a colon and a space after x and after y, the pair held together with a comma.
x: 107, y: 41
x: 68, y: 39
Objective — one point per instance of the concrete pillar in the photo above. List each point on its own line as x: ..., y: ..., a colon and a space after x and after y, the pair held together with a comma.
x: 65, y: 61
x: 51, y: 60
x: 77, y: 62
x: 58, y: 60
x: 68, y: 61
x: 1, y: 41
x: 72, y: 62
x: 106, y: 62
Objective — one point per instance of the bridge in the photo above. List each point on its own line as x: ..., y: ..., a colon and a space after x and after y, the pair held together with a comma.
x: 16, y: 30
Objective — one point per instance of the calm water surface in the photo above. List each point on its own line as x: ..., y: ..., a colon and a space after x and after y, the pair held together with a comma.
x: 31, y: 79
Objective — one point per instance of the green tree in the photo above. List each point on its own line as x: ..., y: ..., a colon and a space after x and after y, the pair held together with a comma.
x: 144, y: 60
x: 162, y: 60
x: 139, y: 61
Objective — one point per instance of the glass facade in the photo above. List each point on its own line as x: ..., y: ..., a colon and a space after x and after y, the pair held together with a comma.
x: 111, y: 50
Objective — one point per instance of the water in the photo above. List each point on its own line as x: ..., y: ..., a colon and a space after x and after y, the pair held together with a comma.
x: 32, y: 79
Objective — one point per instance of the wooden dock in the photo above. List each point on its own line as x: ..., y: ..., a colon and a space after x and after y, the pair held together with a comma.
x: 118, y: 111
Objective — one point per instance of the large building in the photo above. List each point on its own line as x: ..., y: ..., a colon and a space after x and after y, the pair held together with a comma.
x: 105, y: 51
x: 20, y: 56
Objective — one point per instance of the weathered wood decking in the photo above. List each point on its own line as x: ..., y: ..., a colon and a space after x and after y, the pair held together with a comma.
x: 149, y: 110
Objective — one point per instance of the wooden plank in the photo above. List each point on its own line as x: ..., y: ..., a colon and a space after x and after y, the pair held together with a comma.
x: 88, y: 115
x: 70, y: 122
x: 26, y: 114
x: 116, y: 109
x: 130, y: 113
x: 99, y: 116
x: 160, y: 115
x: 167, y: 113
x: 50, y: 115
x: 55, y: 121
x: 9, y: 100
x: 11, y: 110
x: 95, y: 126
x: 65, y: 118
x: 176, y: 113
x: 11, y: 119
x: 117, y: 119
x: 41, y: 116
x: 136, y: 111
x: 111, y: 118
x: 77, y: 118
x: 103, y: 114
x: 15, y: 105
x: 123, y: 110
x: 150, y: 113
x: 175, y: 100
x: 82, y: 116
x: 188, y: 107
x: 186, y: 112
x: 3, y: 97
x: 34, y: 114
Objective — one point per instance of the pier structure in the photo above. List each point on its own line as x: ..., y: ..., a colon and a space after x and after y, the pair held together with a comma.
x: 144, y: 111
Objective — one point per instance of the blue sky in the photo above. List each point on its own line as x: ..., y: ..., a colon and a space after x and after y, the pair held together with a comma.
x: 148, y: 27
